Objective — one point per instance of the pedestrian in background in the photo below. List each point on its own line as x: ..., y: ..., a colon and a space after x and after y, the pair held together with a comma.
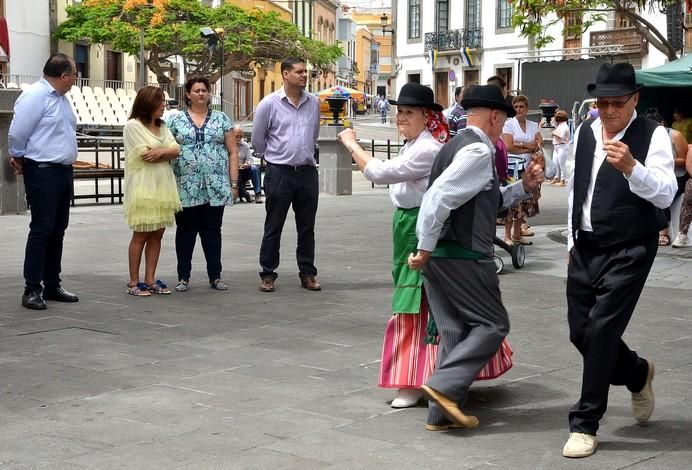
x: 560, y: 147
x: 42, y: 148
x: 623, y: 179
x: 285, y: 131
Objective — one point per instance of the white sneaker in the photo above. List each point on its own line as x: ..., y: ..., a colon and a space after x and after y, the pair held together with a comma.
x: 407, y: 397
x: 643, y: 402
x: 680, y: 241
x: 580, y: 445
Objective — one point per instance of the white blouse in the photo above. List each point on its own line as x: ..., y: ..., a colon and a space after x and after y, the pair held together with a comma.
x: 407, y: 174
x: 512, y: 127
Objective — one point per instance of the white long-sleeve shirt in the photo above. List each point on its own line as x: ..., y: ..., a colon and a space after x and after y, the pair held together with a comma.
x: 408, y: 173
x: 654, y: 181
x: 471, y: 171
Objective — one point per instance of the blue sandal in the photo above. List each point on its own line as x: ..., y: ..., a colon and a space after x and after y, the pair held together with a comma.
x: 159, y: 288
x: 138, y: 290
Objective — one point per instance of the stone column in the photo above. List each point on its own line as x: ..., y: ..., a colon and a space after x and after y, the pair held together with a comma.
x: 335, y: 167
x: 12, y: 199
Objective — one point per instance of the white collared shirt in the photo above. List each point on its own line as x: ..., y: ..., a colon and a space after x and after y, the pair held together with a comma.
x: 408, y: 173
x: 654, y: 181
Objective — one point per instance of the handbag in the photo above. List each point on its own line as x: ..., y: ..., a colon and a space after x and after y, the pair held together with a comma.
x: 500, y: 363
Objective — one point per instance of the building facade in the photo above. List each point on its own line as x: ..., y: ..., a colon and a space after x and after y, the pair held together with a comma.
x: 444, y: 50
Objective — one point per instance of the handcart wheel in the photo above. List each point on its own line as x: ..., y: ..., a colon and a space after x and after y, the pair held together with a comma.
x: 518, y: 256
x: 499, y: 264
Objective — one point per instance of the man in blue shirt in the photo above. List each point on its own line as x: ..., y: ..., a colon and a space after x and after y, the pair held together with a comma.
x: 285, y: 130
x: 42, y: 147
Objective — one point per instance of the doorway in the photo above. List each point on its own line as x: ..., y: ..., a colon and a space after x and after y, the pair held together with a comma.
x: 442, y: 89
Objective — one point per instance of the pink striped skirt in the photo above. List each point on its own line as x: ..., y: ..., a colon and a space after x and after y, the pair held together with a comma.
x: 407, y: 361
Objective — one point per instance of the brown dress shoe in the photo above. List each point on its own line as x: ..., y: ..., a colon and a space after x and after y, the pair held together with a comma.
x: 267, y: 285
x: 310, y: 283
x: 450, y: 408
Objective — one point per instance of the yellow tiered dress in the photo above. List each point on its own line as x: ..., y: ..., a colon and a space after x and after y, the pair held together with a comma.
x: 151, y: 194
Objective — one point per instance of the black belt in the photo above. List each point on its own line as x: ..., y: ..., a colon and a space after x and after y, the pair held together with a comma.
x: 292, y: 167
x: 46, y: 164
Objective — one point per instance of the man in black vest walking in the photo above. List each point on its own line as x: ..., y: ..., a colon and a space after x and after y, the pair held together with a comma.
x: 623, y: 177
x: 455, y: 228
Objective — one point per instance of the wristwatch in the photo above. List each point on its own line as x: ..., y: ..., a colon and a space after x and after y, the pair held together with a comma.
x: 234, y: 185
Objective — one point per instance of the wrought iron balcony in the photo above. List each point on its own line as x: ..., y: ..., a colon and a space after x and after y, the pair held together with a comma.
x: 454, y: 39
x: 627, y: 40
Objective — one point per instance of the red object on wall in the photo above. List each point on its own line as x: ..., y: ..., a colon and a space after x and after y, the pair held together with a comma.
x: 4, y: 37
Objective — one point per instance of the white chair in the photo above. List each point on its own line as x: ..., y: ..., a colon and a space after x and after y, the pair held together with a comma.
x: 120, y: 92
x: 131, y: 93
x: 24, y: 86
x: 12, y: 85
x: 86, y: 90
x: 110, y: 92
x: 98, y: 91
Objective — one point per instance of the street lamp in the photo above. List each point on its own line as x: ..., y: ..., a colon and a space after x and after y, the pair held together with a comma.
x: 214, y: 37
x: 383, y: 23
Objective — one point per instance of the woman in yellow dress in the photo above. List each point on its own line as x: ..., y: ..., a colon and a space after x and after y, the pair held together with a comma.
x: 151, y: 195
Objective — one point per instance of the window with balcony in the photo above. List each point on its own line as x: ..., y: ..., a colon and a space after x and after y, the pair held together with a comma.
x: 473, y: 14
x: 413, y: 19
x: 442, y: 15
x: 572, y: 22
x: 504, y: 14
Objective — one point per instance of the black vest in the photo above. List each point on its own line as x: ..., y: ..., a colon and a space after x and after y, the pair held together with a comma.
x: 473, y: 224
x: 617, y: 214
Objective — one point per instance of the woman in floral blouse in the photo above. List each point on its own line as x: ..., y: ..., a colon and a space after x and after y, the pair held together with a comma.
x: 207, y: 177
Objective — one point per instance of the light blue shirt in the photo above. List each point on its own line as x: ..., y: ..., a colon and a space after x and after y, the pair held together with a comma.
x: 286, y: 134
x: 44, y: 128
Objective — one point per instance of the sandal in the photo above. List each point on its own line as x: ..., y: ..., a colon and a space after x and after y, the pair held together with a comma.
x: 522, y: 241
x: 139, y: 290
x: 159, y: 288
x: 663, y: 240
x: 525, y: 232
x: 182, y: 285
x: 218, y: 284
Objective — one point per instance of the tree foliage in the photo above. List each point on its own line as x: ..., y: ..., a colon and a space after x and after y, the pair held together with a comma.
x: 533, y: 17
x: 172, y: 28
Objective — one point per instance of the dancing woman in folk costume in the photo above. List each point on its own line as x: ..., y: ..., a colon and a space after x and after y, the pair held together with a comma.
x: 407, y: 360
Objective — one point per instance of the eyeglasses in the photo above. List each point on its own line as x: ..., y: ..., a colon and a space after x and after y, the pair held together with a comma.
x: 615, y: 104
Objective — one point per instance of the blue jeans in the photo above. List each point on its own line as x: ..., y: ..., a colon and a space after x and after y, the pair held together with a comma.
x: 251, y: 174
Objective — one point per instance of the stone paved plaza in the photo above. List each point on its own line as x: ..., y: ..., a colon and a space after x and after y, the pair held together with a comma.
x: 246, y: 380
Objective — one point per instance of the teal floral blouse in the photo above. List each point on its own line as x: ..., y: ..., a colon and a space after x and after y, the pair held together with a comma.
x: 201, y: 171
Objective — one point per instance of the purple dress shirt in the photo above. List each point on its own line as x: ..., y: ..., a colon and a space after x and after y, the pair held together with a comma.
x: 286, y: 134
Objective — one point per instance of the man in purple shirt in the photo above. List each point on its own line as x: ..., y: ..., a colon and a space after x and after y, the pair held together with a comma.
x: 285, y: 130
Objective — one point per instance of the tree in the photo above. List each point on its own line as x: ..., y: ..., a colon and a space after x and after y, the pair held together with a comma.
x: 172, y: 28
x: 531, y: 17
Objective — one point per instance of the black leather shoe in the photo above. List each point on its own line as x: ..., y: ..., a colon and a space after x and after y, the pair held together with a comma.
x: 59, y: 295
x: 33, y: 301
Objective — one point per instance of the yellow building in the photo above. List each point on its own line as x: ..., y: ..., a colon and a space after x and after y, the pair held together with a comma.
x: 381, y: 58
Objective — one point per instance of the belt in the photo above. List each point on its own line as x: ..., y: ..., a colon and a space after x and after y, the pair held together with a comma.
x: 292, y: 167
x: 46, y: 164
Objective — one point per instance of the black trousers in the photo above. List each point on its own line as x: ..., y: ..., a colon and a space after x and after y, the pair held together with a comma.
x: 285, y: 187
x: 206, y: 221
x: 48, y: 193
x: 603, y: 287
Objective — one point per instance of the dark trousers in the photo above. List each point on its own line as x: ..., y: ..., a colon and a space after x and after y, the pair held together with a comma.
x: 249, y: 174
x: 286, y: 186
x: 465, y: 302
x: 603, y: 287
x: 206, y: 221
x: 48, y: 193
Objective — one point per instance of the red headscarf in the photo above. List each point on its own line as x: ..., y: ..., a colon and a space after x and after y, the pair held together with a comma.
x: 437, y: 125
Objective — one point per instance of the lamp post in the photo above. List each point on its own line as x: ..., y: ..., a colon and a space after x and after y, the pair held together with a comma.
x: 213, y: 37
x: 383, y: 24
x: 142, y: 65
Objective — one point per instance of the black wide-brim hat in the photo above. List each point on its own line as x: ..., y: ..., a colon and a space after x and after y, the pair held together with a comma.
x: 415, y: 94
x: 486, y: 96
x: 614, y: 80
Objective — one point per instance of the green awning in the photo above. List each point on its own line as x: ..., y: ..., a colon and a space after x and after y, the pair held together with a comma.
x: 673, y: 74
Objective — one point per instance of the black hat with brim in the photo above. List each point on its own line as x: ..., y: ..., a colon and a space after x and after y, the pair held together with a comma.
x: 415, y: 94
x: 614, y: 80
x: 486, y: 96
